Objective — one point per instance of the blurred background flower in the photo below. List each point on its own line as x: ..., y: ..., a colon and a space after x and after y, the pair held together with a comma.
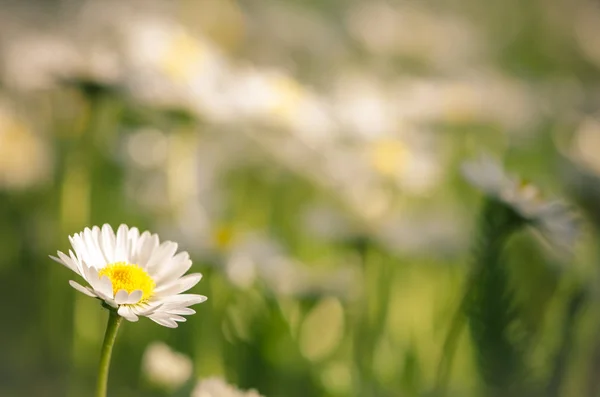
x: 216, y: 387
x: 166, y: 368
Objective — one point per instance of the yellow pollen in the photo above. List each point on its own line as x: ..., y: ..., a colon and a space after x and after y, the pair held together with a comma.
x: 129, y: 277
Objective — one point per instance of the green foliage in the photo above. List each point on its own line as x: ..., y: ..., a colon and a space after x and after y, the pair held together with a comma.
x: 493, y: 315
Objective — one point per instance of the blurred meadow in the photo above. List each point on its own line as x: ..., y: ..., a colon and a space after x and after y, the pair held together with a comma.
x: 307, y: 154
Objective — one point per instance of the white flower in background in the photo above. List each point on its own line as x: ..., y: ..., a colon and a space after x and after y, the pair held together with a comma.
x: 363, y: 105
x: 486, y: 96
x: 276, y: 98
x: 172, y: 67
x: 587, y: 28
x: 166, y: 368
x: 246, y: 255
x: 414, y: 32
x: 133, y: 273
x: 217, y: 387
x: 412, y: 160
x: 255, y: 258
x: 586, y: 144
x: 553, y: 218
x: 37, y: 62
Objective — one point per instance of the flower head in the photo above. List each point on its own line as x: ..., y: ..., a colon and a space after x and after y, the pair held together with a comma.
x: 166, y: 368
x: 553, y: 218
x: 133, y: 273
x: 217, y: 387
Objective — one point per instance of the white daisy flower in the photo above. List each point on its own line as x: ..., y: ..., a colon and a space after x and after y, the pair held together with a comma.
x: 165, y: 367
x: 217, y: 387
x: 553, y: 218
x: 133, y: 273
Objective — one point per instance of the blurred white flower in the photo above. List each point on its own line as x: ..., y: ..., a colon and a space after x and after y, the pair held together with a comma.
x: 415, y: 32
x: 171, y: 67
x: 322, y: 329
x: 38, y: 61
x: 287, y: 276
x: 217, y: 387
x: 99, y: 63
x: 587, y: 30
x: 277, y: 99
x: 586, y: 144
x: 488, y: 97
x: 148, y: 147
x: 254, y: 258
x: 554, y: 219
x: 166, y: 368
x: 246, y: 254
x: 412, y: 160
x: 284, y: 28
x: 363, y: 105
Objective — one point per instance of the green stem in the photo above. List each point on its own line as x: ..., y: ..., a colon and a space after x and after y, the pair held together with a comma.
x: 452, y: 339
x: 496, y: 224
x: 109, y: 340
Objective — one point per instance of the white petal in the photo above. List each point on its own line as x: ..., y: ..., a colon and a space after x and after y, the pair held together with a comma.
x: 134, y: 297
x: 82, y: 289
x: 127, y: 313
x: 164, y: 321
x: 147, y: 243
x: 184, y: 311
x: 121, y: 297
x: 145, y: 309
x: 122, y: 247
x: 180, y: 285
x: 111, y: 302
x: 77, y: 261
x: 93, y: 248
x: 90, y: 274
x: 81, y: 249
x: 65, y: 261
x: 105, y: 286
x: 97, y: 239
x: 133, y: 237
x: 183, y: 300
x: 161, y: 256
x: 175, y: 317
x: 108, y: 242
x: 176, y: 268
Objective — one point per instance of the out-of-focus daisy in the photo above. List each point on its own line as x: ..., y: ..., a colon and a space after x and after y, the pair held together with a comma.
x: 412, y: 162
x: 37, y: 62
x: 246, y: 255
x: 551, y: 217
x: 133, y: 273
x: 166, y: 368
x: 414, y: 32
x: 217, y: 387
x: 171, y: 67
x: 363, y: 105
x: 277, y: 99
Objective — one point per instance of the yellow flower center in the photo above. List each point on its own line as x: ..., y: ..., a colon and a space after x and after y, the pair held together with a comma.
x: 183, y: 58
x: 223, y: 236
x: 129, y: 277
x: 389, y: 157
